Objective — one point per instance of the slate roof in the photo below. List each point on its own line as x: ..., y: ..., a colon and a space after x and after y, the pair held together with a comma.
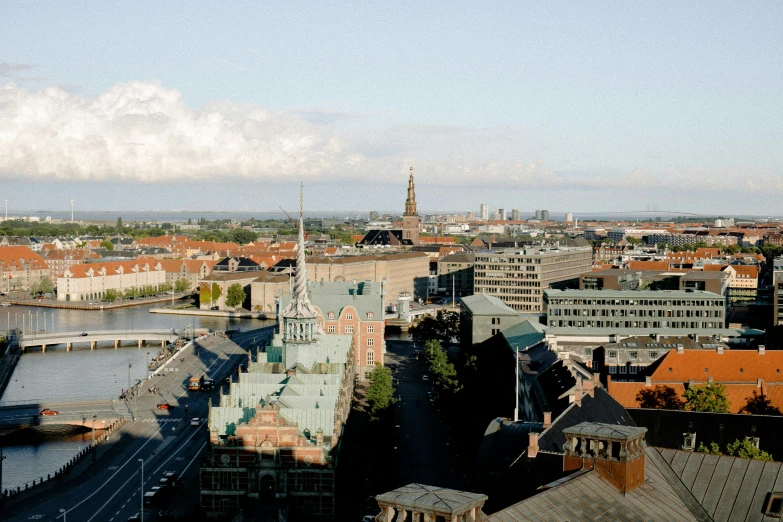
x: 526, y: 333
x: 588, y: 496
x: 482, y: 304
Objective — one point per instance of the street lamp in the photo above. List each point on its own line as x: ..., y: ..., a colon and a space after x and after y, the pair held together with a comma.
x: 142, y: 489
x: 148, y: 363
x: 63, y: 512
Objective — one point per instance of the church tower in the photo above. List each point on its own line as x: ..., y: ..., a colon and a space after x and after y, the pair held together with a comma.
x: 410, y: 219
x: 300, y: 315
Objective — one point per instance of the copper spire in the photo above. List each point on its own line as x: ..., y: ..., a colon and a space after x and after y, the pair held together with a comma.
x: 300, y: 307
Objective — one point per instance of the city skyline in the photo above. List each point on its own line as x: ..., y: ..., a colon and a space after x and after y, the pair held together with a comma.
x: 587, y: 108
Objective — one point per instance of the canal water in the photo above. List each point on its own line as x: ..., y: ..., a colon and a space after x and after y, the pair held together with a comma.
x: 79, y: 375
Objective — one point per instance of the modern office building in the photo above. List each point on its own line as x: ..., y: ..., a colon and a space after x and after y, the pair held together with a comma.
x: 502, y: 214
x: 519, y: 277
x: 483, y: 316
x: 515, y: 214
x: 569, y: 217
x: 455, y: 273
x: 542, y: 215
x: 635, y: 312
x: 484, y: 211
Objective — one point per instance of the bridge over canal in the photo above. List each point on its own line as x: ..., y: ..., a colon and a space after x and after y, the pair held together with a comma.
x: 93, y: 338
x: 87, y: 414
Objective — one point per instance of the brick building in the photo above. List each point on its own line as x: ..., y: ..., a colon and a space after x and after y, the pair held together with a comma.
x: 274, y: 439
x: 20, y: 268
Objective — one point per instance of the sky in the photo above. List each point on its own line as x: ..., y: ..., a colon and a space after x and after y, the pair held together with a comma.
x: 216, y: 106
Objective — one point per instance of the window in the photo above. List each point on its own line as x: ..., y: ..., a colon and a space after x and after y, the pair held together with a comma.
x: 690, y: 441
x: 370, y: 328
x: 371, y: 341
x: 370, y: 357
x: 349, y: 329
x: 633, y: 355
x: 623, y: 369
x: 613, y: 369
x: 632, y: 369
x: 331, y: 315
x: 330, y: 329
x: 349, y: 316
x: 370, y: 315
x: 653, y: 355
x: 612, y: 353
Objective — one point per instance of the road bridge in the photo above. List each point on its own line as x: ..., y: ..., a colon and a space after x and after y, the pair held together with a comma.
x: 92, y: 338
x: 87, y: 414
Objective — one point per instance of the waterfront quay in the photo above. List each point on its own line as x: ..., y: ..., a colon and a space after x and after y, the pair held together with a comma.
x: 109, y: 485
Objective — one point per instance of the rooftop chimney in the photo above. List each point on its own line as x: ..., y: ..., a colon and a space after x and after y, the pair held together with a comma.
x: 648, y: 381
x: 762, y: 349
x: 616, y: 452
x: 532, y: 445
x: 720, y: 349
x: 680, y: 348
x: 547, y: 419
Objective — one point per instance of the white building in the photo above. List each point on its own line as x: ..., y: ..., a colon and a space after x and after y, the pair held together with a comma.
x: 91, y: 281
x: 484, y: 209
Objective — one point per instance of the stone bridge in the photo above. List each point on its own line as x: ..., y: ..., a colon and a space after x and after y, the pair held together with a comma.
x: 27, y: 414
x: 92, y: 338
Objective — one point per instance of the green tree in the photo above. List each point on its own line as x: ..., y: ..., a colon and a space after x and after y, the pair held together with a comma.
x: 759, y: 405
x: 119, y: 225
x: 380, y: 393
x: 205, y: 293
x: 107, y: 244
x: 216, y: 292
x: 660, y: 398
x: 443, y: 328
x: 242, y: 236
x: 712, y: 449
x: 747, y: 450
x: 235, y: 296
x: 710, y: 397
x: 443, y: 372
x: 180, y: 285
x: 110, y: 295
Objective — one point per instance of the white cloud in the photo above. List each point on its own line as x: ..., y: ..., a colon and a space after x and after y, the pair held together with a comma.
x: 141, y: 131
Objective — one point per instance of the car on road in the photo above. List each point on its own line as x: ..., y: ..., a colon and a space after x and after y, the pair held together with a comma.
x: 47, y: 411
x: 215, y: 308
x: 165, y: 406
x: 195, y: 421
x: 134, y: 518
x: 83, y: 334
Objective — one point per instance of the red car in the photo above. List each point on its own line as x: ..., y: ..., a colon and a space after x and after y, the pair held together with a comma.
x: 165, y: 406
x: 47, y: 411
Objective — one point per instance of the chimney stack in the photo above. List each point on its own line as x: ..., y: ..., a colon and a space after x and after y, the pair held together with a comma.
x: 547, y: 419
x: 532, y: 445
x: 680, y: 348
x: 617, y: 453
x: 720, y: 349
x: 762, y: 349
x: 648, y: 381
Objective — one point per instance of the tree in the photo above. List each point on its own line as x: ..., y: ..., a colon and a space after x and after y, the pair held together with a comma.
x: 380, y: 393
x: 216, y: 292
x: 108, y: 245
x: 119, y: 225
x: 712, y: 449
x: 235, y: 296
x: 443, y: 372
x: 205, y: 293
x: 747, y: 450
x: 242, y: 236
x: 110, y: 295
x: 443, y: 328
x: 759, y: 405
x: 180, y: 285
x: 45, y: 285
x: 660, y: 398
x: 710, y: 397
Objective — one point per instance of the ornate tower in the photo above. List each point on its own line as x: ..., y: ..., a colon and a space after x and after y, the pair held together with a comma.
x: 299, y: 316
x: 410, y: 220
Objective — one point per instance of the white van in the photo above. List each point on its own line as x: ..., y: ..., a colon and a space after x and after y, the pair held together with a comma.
x: 195, y: 421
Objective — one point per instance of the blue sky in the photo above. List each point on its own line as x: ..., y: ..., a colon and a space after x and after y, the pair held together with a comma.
x: 571, y: 106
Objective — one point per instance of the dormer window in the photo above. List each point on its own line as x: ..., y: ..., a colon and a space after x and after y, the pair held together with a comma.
x: 773, y: 507
x: 330, y: 315
x: 689, y: 441
x: 370, y: 315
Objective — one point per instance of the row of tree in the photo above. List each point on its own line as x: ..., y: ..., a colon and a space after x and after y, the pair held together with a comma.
x: 710, y: 397
x: 235, y: 295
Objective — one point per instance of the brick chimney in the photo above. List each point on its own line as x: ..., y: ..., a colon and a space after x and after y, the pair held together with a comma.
x: 532, y: 445
x: 616, y: 452
x: 547, y: 419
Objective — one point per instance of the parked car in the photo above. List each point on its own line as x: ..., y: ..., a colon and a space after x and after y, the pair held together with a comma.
x: 165, y: 406
x: 215, y: 308
x: 425, y: 377
x: 195, y: 421
x: 83, y: 334
x: 47, y: 411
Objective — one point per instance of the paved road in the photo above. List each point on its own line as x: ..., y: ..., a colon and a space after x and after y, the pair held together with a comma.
x: 425, y: 453
x: 111, y: 490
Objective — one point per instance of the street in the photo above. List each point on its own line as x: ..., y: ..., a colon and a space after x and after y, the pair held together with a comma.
x: 111, y: 489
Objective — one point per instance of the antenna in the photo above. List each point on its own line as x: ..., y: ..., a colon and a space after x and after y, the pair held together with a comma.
x: 301, y: 199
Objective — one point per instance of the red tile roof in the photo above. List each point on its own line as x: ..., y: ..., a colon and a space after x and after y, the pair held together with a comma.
x: 19, y: 258
x: 729, y: 366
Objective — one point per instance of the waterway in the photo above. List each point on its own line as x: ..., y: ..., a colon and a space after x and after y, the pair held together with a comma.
x: 79, y: 375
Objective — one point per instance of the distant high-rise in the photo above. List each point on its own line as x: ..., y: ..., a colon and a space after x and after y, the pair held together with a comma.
x: 484, y: 210
x: 502, y: 214
x: 515, y: 214
x: 538, y: 214
x: 569, y: 217
x: 470, y: 215
x: 373, y: 216
x: 544, y: 215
